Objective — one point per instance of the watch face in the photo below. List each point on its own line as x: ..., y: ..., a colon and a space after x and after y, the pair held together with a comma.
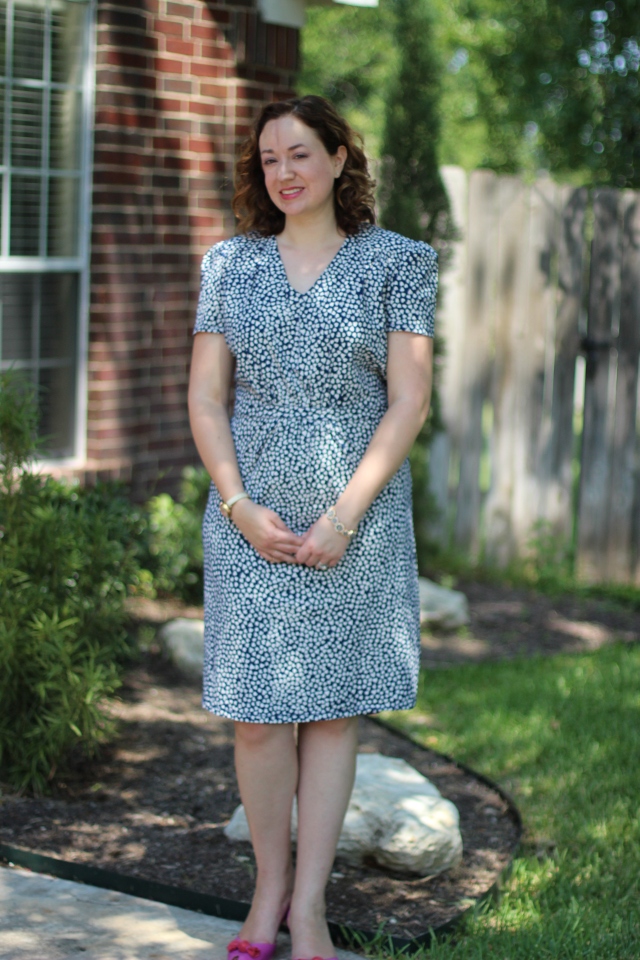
x: 225, y: 510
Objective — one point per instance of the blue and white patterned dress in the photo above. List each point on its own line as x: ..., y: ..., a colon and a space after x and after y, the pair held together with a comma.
x: 286, y: 642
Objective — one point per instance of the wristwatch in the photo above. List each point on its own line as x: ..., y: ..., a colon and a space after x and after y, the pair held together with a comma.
x: 225, y: 507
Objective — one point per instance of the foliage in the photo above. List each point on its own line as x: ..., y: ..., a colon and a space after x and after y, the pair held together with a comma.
x: 524, y: 85
x: 67, y: 561
x: 562, y: 735
x: 347, y: 57
x: 18, y: 424
x: 566, y: 79
x: 414, y: 201
x: 172, y: 551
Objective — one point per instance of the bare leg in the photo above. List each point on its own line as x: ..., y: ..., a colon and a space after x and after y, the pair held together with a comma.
x: 267, y: 771
x: 327, y: 752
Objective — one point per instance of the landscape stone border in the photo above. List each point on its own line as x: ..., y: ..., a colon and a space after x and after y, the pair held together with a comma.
x: 228, y: 909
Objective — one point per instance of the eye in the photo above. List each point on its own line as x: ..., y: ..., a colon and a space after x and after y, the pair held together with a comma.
x: 300, y: 156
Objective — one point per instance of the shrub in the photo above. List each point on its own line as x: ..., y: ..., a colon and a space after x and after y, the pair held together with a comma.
x: 173, y: 550
x: 67, y: 561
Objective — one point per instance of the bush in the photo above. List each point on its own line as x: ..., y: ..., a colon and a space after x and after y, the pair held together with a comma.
x: 67, y: 561
x: 173, y: 547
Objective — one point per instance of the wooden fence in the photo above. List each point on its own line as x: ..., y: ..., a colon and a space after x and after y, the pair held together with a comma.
x: 540, y: 316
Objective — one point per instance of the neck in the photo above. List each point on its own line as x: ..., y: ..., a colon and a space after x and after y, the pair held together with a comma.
x: 314, y: 229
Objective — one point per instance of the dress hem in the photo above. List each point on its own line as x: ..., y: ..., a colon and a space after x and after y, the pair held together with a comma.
x: 364, y: 712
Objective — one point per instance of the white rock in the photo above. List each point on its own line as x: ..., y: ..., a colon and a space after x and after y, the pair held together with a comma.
x: 395, y: 817
x: 440, y: 607
x: 182, y: 641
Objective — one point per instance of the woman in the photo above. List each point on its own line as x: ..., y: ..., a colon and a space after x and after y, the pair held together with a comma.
x: 323, y: 324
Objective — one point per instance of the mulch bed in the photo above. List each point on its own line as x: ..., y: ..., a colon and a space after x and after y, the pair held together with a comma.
x: 154, y: 805
x: 507, y: 623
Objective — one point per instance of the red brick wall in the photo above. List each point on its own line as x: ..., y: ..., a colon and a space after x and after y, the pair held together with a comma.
x: 176, y: 85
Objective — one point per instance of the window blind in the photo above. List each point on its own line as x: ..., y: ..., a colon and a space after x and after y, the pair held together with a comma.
x: 44, y: 49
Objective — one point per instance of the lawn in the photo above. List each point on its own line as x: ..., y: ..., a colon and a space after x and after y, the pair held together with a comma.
x: 562, y: 734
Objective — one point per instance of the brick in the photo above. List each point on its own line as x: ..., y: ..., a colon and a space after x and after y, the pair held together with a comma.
x: 176, y: 125
x: 119, y: 158
x: 165, y: 182
x: 123, y: 58
x: 181, y: 47
x: 121, y: 17
x: 112, y: 76
x: 208, y: 166
x: 177, y: 86
x: 113, y: 136
x: 172, y: 162
x: 180, y: 10
x: 200, y: 69
x: 211, y: 130
x: 216, y: 90
x: 166, y: 143
x: 167, y: 105
x: 199, y: 31
x: 217, y: 51
x: 117, y: 176
x: 168, y: 28
x: 168, y: 65
x: 205, y: 109
x: 127, y: 39
x: 199, y: 145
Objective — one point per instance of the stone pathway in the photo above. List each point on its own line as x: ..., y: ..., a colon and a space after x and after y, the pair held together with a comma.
x: 44, y: 917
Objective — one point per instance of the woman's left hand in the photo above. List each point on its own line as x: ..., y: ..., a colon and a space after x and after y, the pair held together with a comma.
x: 322, y: 544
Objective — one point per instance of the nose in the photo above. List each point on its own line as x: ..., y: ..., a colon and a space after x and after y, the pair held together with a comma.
x: 284, y: 171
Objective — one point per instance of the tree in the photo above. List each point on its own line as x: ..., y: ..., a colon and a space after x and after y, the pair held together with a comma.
x: 414, y: 201
x: 524, y: 84
x: 348, y: 56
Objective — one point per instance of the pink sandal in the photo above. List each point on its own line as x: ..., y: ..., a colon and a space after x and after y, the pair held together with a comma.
x: 238, y: 949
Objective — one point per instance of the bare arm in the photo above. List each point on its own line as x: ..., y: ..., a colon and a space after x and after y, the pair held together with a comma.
x: 409, y: 382
x: 209, y: 391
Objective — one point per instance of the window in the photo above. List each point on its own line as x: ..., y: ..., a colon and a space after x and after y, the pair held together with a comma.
x: 45, y: 82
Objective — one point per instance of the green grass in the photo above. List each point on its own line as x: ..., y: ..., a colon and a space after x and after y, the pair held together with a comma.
x: 562, y: 735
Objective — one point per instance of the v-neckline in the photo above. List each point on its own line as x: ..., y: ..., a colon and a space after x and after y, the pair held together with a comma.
x: 303, y: 293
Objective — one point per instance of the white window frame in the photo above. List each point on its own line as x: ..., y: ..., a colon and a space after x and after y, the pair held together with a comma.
x: 44, y: 264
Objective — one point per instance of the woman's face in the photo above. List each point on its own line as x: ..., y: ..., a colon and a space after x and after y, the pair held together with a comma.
x: 299, y: 173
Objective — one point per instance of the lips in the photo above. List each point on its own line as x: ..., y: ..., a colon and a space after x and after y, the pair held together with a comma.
x: 291, y: 193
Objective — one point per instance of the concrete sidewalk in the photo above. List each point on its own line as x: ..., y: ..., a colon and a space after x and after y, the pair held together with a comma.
x: 44, y: 918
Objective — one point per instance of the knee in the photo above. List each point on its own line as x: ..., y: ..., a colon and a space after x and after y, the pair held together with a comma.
x: 259, y: 735
x: 338, y: 729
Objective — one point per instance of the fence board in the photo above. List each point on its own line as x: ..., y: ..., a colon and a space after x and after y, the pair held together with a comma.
x: 476, y: 355
x: 556, y: 456
x: 516, y: 343
x: 512, y: 295
x: 622, y: 528
x: 533, y: 352
x: 450, y: 325
x: 596, y: 437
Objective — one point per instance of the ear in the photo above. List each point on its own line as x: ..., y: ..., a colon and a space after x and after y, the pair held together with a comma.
x: 340, y: 159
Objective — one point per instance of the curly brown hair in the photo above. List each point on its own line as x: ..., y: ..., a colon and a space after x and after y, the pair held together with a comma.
x: 353, y: 189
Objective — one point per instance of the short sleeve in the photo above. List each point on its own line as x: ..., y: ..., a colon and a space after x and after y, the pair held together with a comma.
x: 209, y: 318
x: 411, y: 290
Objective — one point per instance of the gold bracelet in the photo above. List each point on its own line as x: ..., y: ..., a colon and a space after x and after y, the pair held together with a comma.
x: 226, y: 507
x: 340, y: 527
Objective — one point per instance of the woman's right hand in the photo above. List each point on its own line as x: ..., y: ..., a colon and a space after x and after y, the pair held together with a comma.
x: 266, y: 532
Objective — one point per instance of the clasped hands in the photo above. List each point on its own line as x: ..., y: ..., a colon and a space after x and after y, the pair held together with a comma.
x: 320, y: 545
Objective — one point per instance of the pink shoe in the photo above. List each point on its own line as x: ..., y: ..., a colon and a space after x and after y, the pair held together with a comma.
x: 238, y: 949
